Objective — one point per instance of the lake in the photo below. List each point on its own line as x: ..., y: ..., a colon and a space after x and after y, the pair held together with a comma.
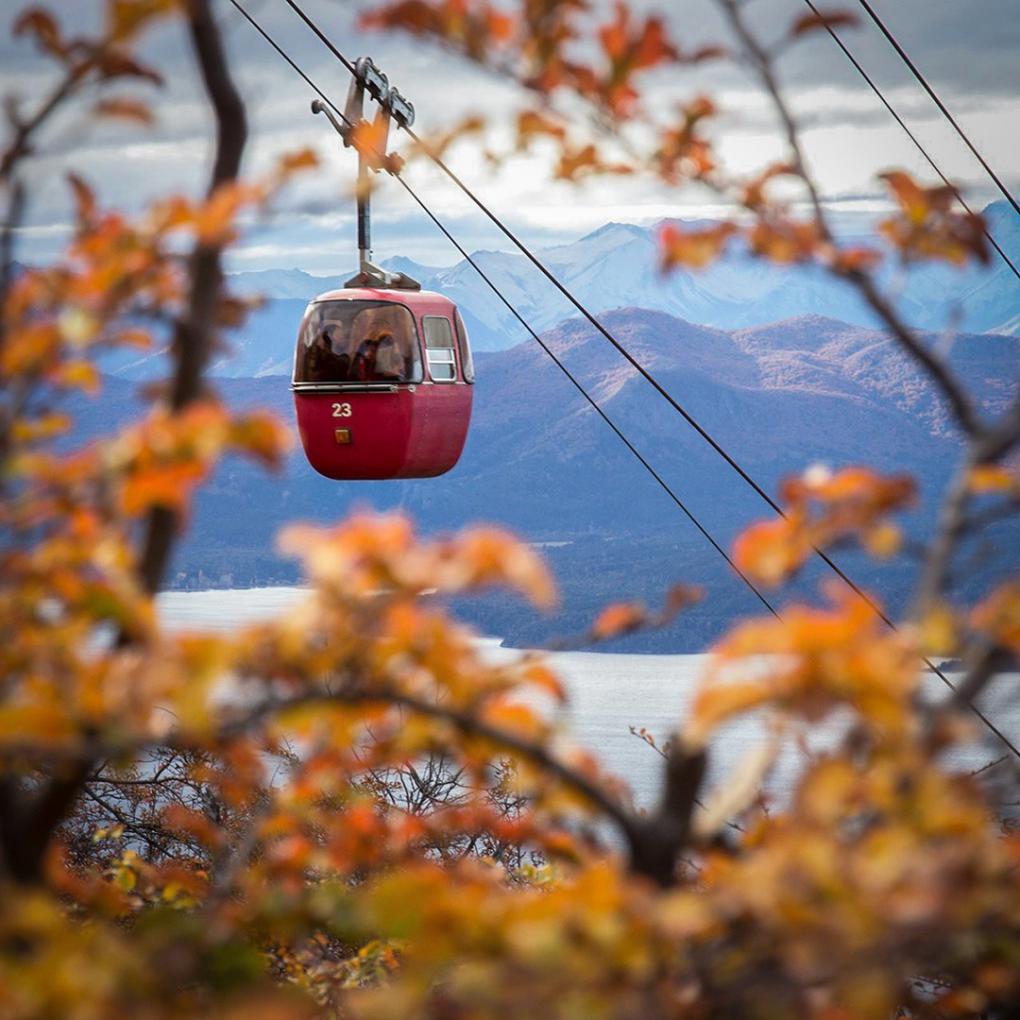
x: 608, y: 693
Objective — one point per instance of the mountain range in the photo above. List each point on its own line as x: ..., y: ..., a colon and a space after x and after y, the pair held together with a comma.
x: 616, y: 266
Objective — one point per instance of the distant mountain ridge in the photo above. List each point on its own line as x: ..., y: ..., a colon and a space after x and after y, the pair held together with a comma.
x: 616, y: 266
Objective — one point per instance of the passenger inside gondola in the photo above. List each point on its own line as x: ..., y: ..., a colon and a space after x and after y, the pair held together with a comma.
x: 358, y: 341
x: 390, y: 362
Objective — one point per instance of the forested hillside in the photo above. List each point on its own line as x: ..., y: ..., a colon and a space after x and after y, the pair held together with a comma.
x: 538, y: 460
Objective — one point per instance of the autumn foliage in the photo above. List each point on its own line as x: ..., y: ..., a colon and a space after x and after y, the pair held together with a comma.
x: 352, y: 810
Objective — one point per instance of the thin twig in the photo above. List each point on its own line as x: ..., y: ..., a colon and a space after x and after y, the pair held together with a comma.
x: 950, y: 387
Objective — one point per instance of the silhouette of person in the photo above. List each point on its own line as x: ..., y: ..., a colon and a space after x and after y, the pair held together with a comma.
x: 364, y: 360
x: 318, y: 357
x: 389, y: 362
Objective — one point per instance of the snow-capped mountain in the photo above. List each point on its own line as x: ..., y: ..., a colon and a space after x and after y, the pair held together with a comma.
x: 282, y: 284
x: 616, y: 266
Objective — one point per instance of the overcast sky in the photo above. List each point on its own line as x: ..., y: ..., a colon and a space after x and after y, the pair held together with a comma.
x: 969, y: 49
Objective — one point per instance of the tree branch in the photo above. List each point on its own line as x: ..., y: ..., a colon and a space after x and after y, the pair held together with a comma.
x: 654, y: 843
x: 951, y: 527
x: 947, y: 384
x: 466, y: 723
x: 193, y: 339
x: 195, y: 332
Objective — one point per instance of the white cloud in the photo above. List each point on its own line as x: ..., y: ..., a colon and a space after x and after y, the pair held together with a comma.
x: 848, y: 135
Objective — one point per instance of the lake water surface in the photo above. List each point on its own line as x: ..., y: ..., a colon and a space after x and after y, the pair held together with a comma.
x: 609, y: 693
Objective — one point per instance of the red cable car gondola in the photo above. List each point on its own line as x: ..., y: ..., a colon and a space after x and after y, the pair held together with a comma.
x: 383, y: 375
x: 382, y: 384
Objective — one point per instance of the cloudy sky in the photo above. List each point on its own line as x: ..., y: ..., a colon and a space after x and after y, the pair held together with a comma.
x: 969, y: 50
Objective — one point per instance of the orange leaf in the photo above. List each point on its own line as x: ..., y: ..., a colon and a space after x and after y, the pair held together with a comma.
x: 78, y: 374
x: 999, y: 616
x: 126, y: 109
x: 293, y: 162
x: 771, y: 550
x: 619, y: 618
x: 785, y: 241
x: 754, y: 190
x: 531, y: 124
x: 539, y: 675
x: 693, y: 249
x: 856, y: 259
x: 714, y: 705
x: 261, y: 435
x: 928, y: 227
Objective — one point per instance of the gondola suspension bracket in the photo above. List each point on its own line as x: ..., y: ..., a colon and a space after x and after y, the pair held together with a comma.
x: 392, y: 106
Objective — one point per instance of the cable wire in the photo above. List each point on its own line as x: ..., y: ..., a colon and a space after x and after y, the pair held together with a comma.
x: 910, y: 134
x: 587, y: 314
x: 923, y: 82
x: 594, y: 404
x: 623, y: 351
x: 517, y: 315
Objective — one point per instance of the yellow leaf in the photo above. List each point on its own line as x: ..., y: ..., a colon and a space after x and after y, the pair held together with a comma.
x: 884, y: 540
x: 938, y: 631
x: 992, y: 478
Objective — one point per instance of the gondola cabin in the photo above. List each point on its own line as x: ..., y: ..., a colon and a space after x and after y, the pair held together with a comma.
x: 383, y: 382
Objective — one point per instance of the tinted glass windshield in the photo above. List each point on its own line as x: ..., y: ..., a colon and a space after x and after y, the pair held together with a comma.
x: 357, y: 341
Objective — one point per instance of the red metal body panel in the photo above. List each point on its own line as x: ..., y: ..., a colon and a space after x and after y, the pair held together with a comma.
x: 410, y: 430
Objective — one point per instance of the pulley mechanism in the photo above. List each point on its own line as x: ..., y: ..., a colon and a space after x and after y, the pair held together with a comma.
x: 392, y: 106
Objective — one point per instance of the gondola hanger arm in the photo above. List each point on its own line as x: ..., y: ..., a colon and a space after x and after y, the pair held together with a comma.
x: 392, y: 105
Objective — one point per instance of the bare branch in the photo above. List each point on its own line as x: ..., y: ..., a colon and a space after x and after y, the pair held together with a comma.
x: 464, y: 721
x: 947, y: 384
x: 951, y: 527
x: 195, y: 331
x: 21, y: 143
x: 654, y: 843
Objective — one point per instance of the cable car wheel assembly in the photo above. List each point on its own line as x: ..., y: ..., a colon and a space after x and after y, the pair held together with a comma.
x: 383, y: 375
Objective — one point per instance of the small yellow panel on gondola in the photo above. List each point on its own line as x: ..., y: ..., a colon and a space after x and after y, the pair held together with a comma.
x: 343, y: 436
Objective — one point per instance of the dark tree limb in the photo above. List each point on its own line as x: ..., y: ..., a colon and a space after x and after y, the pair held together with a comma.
x: 195, y: 331
x: 37, y: 816
x: 951, y: 527
x: 21, y: 142
x: 660, y: 839
x: 29, y: 817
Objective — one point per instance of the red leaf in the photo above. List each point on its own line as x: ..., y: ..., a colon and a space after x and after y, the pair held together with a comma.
x: 120, y: 65
x: 38, y: 22
x: 823, y: 19
x: 85, y: 198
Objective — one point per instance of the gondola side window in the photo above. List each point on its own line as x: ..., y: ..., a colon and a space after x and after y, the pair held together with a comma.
x: 467, y: 363
x: 439, y: 348
x: 357, y: 341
